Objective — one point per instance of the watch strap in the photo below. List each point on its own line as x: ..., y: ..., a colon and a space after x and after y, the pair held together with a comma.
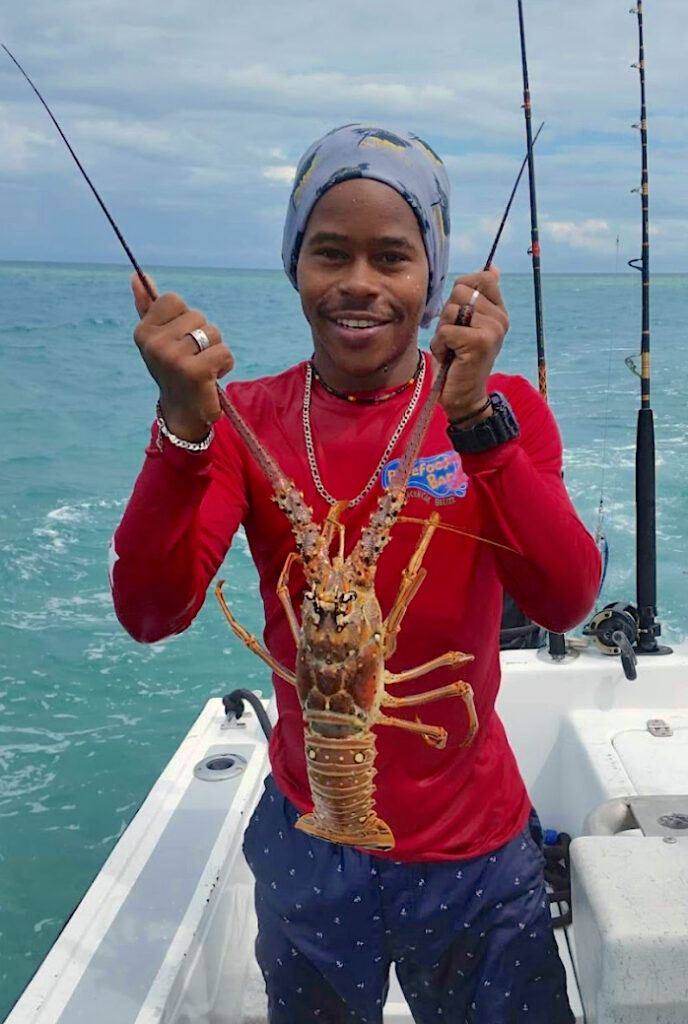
x: 501, y: 426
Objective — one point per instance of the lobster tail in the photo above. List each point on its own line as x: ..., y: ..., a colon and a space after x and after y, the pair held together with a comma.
x: 340, y: 774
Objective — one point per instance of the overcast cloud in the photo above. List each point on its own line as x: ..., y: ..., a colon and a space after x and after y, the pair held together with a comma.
x: 190, y: 117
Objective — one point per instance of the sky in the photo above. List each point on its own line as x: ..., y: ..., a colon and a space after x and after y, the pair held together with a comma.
x: 191, y: 116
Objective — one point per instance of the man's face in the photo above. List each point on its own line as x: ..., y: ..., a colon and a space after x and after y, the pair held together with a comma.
x: 362, y: 276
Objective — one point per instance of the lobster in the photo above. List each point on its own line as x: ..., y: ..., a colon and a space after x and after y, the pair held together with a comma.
x: 343, y: 643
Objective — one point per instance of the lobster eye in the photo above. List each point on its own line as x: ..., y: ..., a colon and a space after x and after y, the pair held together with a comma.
x: 309, y: 595
x: 350, y: 595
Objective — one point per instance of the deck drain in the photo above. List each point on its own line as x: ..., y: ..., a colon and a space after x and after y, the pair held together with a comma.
x: 676, y: 821
x: 216, y: 767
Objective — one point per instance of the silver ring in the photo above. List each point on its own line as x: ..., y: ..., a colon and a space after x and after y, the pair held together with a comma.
x: 474, y: 297
x: 201, y: 338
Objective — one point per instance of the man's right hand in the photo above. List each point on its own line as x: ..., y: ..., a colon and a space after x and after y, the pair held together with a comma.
x: 186, y: 377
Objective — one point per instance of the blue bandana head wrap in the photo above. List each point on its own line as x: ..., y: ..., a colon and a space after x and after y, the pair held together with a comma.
x: 398, y: 159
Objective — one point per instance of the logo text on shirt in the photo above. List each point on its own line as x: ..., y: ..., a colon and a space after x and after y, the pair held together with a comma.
x: 440, y: 476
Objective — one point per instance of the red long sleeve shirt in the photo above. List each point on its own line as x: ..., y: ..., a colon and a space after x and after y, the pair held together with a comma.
x: 185, y: 508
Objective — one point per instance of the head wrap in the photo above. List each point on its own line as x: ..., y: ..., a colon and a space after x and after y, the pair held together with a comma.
x: 398, y: 159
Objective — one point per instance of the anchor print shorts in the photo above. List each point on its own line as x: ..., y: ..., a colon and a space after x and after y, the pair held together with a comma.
x: 471, y: 941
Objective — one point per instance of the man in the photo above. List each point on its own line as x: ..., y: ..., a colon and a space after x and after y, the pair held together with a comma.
x: 458, y: 904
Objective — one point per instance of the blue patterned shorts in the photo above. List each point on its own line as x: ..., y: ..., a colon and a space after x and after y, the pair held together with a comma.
x: 471, y: 940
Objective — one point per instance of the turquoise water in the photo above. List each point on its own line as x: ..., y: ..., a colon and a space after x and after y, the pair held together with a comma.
x: 88, y: 717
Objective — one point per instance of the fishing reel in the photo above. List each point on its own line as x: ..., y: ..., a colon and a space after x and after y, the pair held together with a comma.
x: 614, y: 630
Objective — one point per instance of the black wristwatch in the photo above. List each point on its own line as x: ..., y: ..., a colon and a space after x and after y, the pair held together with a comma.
x: 501, y: 426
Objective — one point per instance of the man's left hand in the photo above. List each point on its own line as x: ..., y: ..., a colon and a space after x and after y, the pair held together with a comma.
x: 475, y: 347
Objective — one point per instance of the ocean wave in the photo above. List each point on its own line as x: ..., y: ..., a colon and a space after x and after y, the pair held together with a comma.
x: 24, y: 781
x: 62, y: 540
x: 52, y: 923
x: 105, y: 321
x: 28, y: 460
x: 55, y: 327
x: 79, y: 610
x: 80, y: 511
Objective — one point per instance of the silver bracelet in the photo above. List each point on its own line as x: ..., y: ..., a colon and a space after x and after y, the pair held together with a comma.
x: 179, y: 442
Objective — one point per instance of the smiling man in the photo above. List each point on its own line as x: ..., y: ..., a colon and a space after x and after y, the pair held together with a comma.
x: 458, y: 905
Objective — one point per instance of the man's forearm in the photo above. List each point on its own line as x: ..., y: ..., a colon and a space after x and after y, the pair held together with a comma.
x: 156, y: 567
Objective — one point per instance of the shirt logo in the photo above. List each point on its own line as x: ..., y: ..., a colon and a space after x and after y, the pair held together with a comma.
x: 440, y: 476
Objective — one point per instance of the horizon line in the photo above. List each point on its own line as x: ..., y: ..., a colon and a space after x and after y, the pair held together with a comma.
x: 279, y: 270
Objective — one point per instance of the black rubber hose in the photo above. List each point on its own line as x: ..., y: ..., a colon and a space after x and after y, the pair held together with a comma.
x: 234, y: 703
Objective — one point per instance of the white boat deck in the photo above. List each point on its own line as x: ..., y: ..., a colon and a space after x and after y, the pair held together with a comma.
x: 165, y: 934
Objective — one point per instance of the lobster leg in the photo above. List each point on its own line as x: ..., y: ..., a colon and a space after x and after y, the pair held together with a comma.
x: 435, y: 734
x: 250, y: 641
x: 285, y: 596
x: 450, y: 658
x: 411, y: 580
x: 452, y: 690
x: 463, y: 690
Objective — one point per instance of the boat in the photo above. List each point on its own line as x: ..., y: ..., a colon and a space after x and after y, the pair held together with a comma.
x: 599, y: 726
x: 165, y: 933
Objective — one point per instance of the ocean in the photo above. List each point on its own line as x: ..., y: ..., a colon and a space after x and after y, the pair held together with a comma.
x: 88, y: 717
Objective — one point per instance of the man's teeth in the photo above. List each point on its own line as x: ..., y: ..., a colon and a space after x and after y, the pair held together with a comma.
x: 357, y: 323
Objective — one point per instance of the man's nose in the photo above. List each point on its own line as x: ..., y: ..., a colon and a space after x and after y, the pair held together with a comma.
x: 359, y: 277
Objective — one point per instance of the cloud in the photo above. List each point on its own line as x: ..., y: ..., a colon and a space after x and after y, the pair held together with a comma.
x: 593, y: 235
x: 129, y: 135
x: 181, y: 112
x: 22, y: 147
x: 281, y: 173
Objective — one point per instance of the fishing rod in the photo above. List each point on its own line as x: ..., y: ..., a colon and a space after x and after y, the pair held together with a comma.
x: 226, y: 406
x: 557, y: 643
x: 488, y: 262
x: 646, y: 536
x: 245, y: 432
x: 620, y: 628
x: 441, y: 377
x: 534, y: 231
x: 120, y: 236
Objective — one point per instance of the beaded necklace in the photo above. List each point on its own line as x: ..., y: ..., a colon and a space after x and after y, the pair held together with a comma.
x: 373, y: 399
x: 310, y: 448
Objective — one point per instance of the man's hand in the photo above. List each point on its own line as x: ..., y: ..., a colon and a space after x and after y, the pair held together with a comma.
x: 475, y: 347
x: 186, y: 376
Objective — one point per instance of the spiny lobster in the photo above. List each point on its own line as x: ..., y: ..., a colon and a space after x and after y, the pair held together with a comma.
x: 343, y: 644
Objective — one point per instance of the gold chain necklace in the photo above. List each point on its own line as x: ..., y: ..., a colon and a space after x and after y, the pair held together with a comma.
x: 310, y: 449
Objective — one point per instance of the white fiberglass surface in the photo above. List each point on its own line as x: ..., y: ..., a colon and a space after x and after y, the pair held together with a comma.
x: 655, y: 764
x: 561, y: 719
